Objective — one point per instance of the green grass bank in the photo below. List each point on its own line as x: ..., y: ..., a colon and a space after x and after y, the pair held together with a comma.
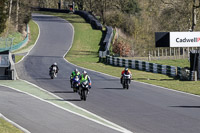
x: 34, y: 32
x: 6, y: 127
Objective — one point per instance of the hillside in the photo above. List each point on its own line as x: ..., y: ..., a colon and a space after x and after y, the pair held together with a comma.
x: 155, y: 16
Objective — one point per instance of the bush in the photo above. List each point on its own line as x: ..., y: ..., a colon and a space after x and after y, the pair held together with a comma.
x: 121, y: 48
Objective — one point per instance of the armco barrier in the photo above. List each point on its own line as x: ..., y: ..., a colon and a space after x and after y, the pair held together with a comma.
x: 52, y: 10
x: 90, y: 19
x: 107, y: 42
x: 171, y: 71
x: 97, y: 25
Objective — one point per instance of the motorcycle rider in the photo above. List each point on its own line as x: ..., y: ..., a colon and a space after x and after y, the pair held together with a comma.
x: 127, y: 72
x: 54, y: 65
x: 74, y: 74
x: 85, y: 76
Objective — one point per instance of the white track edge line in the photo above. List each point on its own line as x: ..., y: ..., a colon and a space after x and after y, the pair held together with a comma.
x: 14, y: 124
x: 119, y: 127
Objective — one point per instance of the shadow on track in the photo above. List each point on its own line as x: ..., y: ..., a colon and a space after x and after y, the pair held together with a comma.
x: 63, y: 99
x: 186, y: 107
x: 62, y: 92
x: 112, y: 88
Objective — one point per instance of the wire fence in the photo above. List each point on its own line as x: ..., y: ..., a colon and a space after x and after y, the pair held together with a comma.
x: 6, y: 44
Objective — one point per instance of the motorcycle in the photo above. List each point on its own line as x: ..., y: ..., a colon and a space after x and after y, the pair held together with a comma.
x: 126, y: 81
x: 84, y: 89
x: 52, y: 72
x: 76, y: 83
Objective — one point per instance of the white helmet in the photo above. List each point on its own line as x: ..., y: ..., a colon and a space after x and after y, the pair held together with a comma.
x: 76, y: 70
x: 55, y: 64
x: 84, y: 72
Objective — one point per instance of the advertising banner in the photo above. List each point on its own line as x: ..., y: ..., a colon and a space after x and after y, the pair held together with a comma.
x: 184, y: 39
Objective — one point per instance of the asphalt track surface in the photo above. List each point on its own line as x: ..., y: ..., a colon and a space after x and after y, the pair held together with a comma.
x: 40, y: 117
x: 142, y: 109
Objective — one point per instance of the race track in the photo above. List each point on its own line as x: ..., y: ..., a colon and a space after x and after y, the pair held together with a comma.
x: 142, y: 109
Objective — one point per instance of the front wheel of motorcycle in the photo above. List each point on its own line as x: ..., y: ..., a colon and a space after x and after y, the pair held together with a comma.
x: 81, y: 94
x: 84, y: 95
x: 127, y: 87
x: 124, y: 87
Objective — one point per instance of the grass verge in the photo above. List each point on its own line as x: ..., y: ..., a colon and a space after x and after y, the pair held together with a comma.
x: 84, y: 52
x: 34, y: 32
x: 177, y: 63
x: 6, y: 127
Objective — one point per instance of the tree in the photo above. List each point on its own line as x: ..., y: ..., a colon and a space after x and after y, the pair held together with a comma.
x: 80, y: 4
x: 196, y: 5
x: 10, y: 10
x: 17, y: 15
x: 176, y: 10
x: 3, y: 7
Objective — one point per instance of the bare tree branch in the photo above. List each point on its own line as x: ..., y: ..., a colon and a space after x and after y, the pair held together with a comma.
x: 168, y: 3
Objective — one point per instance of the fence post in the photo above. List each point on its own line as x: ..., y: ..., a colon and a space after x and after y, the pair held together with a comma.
x: 149, y: 56
x: 170, y: 51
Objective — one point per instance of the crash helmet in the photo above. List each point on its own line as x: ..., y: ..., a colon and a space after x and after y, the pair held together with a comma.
x: 76, y: 70
x: 84, y: 72
x: 55, y: 63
